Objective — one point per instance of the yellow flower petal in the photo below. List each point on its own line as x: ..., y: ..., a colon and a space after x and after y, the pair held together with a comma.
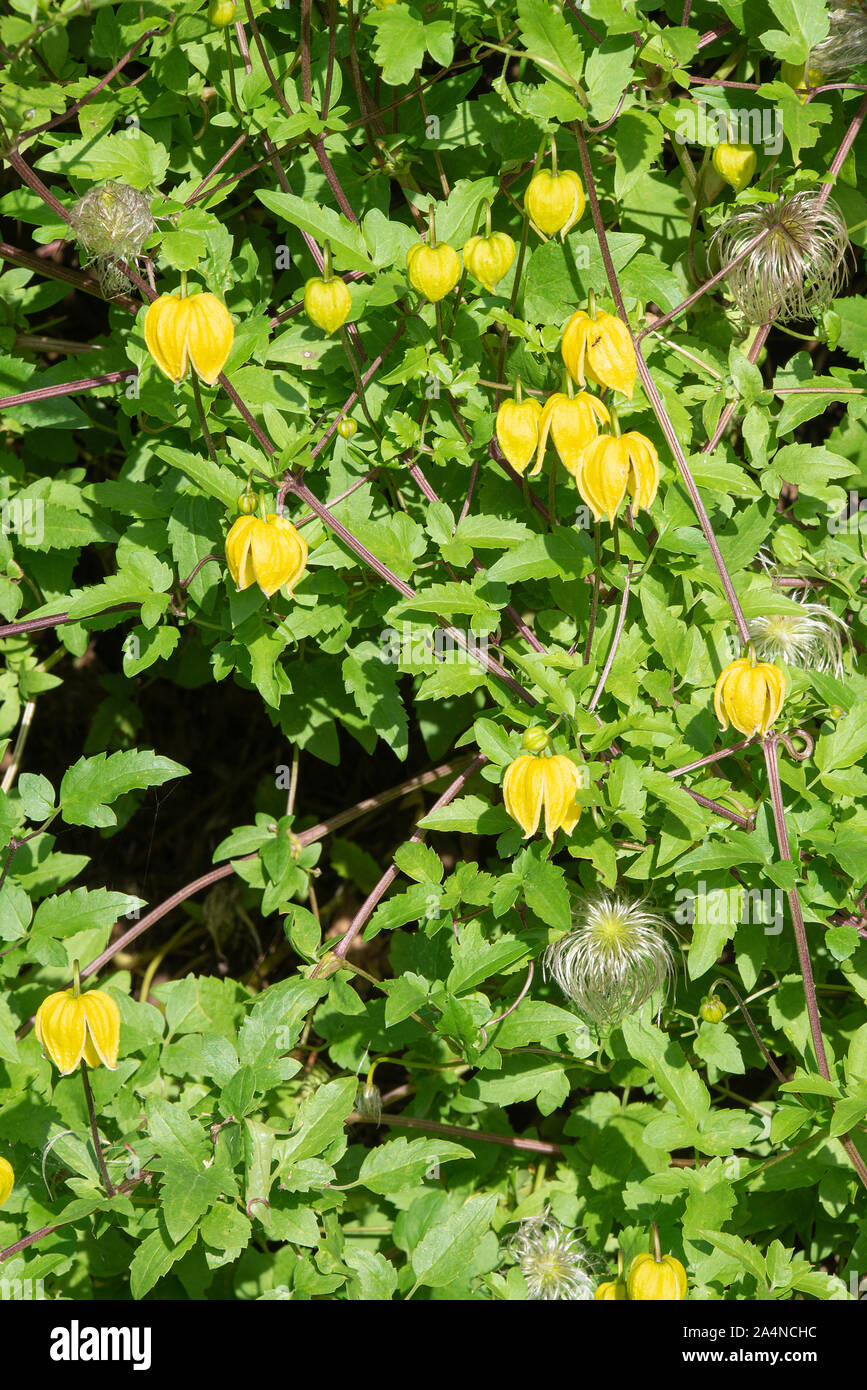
x: 291, y: 547
x: 103, y: 1028
x: 603, y: 476
x: 561, y: 781
x: 610, y: 355
x: 61, y: 1027
x: 523, y: 788
x: 211, y: 334
x: 518, y: 431
x: 643, y: 480
x: 735, y: 163
x: 574, y: 425
x: 165, y: 329
x: 238, y: 556
x: 573, y: 347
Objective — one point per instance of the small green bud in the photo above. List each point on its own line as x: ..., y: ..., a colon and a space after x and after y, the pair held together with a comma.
x: 248, y: 502
x: 712, y: 1009
x: 221, y: 13
x: 535, y: 740
x: 347, y: 427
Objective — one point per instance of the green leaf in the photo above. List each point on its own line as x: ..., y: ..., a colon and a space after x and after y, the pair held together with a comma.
x: 670, y: 1071
x: 154, y: 1257
x: 320, y: 1121
x: 91, y: 784
x: 345, y: 238
x: 550, y: 40
x: 609, y: 69
x: 64, y: 914
x: 399, y: 1162
x: 441, y: 1256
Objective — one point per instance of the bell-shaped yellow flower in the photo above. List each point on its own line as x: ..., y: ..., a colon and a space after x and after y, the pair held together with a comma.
x: 433, y: 270
x: 327, y: 303
x: 573, y: 423
x: 195, y: 328
x: 735, y: 163
x: 518, y: 430
x: 73, y: 1027
x: 599, y: 349
x: 610, y: 467
x: 652, y: 1280
x: 749, y: 695
x: 554, y: 202
x: 532, y: 783
x: 7, y: 1180
x: 489, y: 258
x: 269, y: 553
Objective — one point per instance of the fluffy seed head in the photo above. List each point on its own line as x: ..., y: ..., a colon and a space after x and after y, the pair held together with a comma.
x: 615, y: 957
x: 554, y: 1262
x: 112, y: 223
x: 845, y: 45
x: 796, y: 261
x: 814, y: 639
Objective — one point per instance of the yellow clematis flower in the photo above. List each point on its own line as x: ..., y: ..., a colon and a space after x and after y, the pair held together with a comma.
x: 269, y: 553
x: 611, y: 1290
x: 555, y: 202
x: 749, y: 695
x: 652, y: 1280
x: 612, y: 466
x: 327, y: 303
x: 532, y: 783
x: 518, y: 431
x: 71, y: 1027
x: 195, y: 328
x: 573, y: 423
x: 433, y: 270
x: 599, y: 349
x: 489, y: 258
x: 7, y: 1180
x: 735, y: 163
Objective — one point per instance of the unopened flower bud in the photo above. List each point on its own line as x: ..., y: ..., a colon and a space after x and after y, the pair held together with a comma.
x: 735, y: 163
x: 327, y: 303
x: 555, y: 202
x: 518, y: 430
x: 433, y: 270
x: 489, y: 258
x: 222, y: 13
x: 712, y: 1009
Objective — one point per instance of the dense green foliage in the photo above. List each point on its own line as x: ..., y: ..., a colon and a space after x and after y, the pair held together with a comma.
x: 457, y: 605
